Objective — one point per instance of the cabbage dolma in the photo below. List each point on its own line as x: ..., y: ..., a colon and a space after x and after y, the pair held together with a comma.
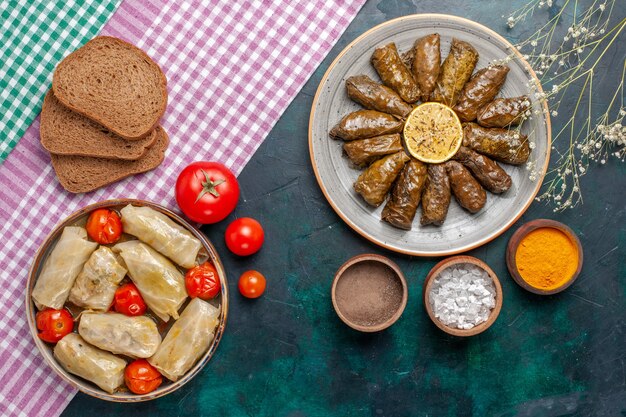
x: 162, y: 233
x: 363, y: 124
x: 456, y: 69
x: 80, y: 358
x: 160, y: 283
x: 508, y: 146
x: 504, y: 112
x: 187, y: 340
x: 467, y: 191
x: 137, y: 337
x: 426, y: 63
x: 481, y: 89
x: 488, y: 173
x: 95, y: 286
x: 405, y: 197
x: 62, y: 267
x: 363, y: 152
x: 374, y: 183
x: 394, y: 74
x: 371, y: 95
x: 436, y: 196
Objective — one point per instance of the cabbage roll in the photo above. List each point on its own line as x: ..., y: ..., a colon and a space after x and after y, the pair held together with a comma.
x: 467, y: 191
x: 363, y: 152
x: 426, y: 63
x: 405, y: 197
x: 61, y: 267
x: 374, y: 183
x: 187, y: 340
x: 96, y: 284
x: 487, y: 171
x: 503, y: 112
x: 363, y: 124
x: 504, y: 145
x: 80, y: 358
x: 393, y: 73
x: 162, y: 233
x: 137, y: 337
x: 480, y: 90
x: 456, y: 69
x: 436, y: 196
x: 371, y: 95
x: 160, y: 283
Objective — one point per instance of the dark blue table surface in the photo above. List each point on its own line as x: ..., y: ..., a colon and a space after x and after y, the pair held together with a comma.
x: 287, y: 353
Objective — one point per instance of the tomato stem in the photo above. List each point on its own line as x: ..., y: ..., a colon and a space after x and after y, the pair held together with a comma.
x: 209, y: 186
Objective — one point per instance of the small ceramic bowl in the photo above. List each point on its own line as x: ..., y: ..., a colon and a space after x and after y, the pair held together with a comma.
x: 455, y: 260
x: 369, y: 293
x: 46, y: 350
x: 520, y: 234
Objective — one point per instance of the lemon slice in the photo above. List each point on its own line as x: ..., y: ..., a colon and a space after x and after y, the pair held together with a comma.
x: 433, y: 133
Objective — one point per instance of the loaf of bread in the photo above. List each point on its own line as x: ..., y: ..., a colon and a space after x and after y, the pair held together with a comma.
x: 81, y: 174
x: 114, y: 84
x: 64, y: 132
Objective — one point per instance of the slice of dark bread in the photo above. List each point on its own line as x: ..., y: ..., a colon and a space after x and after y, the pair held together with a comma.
x: 115, y: 84
x: 81, y: 174
x: 64, y: 132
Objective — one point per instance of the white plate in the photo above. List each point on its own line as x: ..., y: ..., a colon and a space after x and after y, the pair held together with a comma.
x: 335, y: 175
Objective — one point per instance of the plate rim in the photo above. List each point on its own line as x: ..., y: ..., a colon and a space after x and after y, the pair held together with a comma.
x: 479, y: 242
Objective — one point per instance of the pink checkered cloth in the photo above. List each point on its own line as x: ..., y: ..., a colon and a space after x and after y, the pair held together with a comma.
x: 232, y: 68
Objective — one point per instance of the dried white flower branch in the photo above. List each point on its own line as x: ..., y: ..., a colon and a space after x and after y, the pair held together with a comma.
x: 567, y: 65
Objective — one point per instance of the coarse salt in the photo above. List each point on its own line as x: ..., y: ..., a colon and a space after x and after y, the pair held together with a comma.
x: 462, y: 296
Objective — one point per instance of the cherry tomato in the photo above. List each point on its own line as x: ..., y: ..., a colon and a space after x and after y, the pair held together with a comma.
x: 252, y: 284
x: 141, y: 377
x: 244, y: 236
x: 104, y: 226
x: 128, y: 300
x: 207, y: 192
x: 202, y: 281
x: 54, y: 324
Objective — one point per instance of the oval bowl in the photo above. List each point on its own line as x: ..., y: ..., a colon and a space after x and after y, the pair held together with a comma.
x: 454, y: 260
x: 46, y: 350
x: 335, y: 175
x: 378, y: 261
x: 515, y: 241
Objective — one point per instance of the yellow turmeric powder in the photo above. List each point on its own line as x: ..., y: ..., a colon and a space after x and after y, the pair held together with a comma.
x: 546, y: 258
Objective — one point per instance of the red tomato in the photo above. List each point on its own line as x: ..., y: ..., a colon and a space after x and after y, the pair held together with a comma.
x: 202, y: 281
x: 129, y: 301
x: 244, y: 236
x: 141, y: 377
x: 252, y: 284
x: 54, y: 324
x: 207, y: 192
x: 104, y: 226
